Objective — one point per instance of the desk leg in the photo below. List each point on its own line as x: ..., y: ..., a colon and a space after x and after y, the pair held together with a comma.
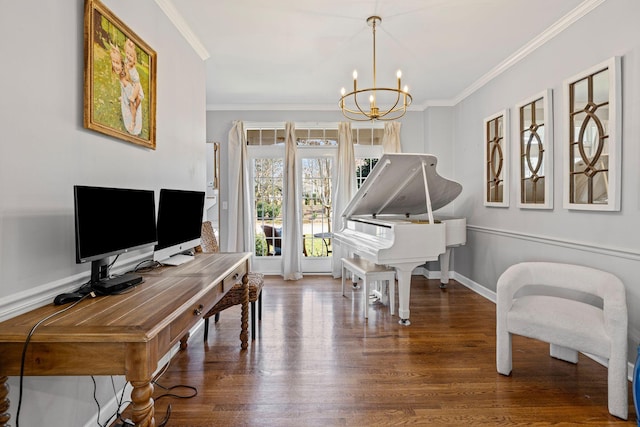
x: 244, y: 334
x: 184, y: 341
x: 142, y: 404
x: 4, y: 402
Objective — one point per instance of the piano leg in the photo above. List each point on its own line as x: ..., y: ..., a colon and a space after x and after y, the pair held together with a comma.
x: 404, y: 292
x: 444, y: 268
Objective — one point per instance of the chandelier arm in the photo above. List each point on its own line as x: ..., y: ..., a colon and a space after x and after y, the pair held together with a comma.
x: 371, y: 115
x: 355, y: 100
x: 393, y: 108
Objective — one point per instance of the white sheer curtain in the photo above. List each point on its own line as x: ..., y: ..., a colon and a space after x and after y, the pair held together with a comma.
x: 292, y: 225
x: 391, y: 138
x: 239, y: 233
x: 345, y: 189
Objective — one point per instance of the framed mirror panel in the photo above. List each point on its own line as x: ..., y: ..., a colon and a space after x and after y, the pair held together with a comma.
x: 496, y: 160
x: 535, y: 134
x: 592, y: 145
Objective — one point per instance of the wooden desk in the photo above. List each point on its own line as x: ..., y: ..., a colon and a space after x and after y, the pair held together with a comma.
x: 122, y: 334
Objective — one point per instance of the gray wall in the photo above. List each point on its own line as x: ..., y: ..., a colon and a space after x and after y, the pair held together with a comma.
x: 499, y: 237
x: 45, y: 150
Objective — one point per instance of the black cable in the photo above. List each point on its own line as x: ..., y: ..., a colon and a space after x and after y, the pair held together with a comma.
x: 154, y: 381
x: 166, y: 417
x: 111, y: 265
x: 95, y: 398
x: 195, y: 391
x: 26, y: 344
x: 119, y: 401
x: 154, y: 265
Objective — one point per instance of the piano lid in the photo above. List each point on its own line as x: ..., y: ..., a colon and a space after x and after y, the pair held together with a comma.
x: 395, y: 186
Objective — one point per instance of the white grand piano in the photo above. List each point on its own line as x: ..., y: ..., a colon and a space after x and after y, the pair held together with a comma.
x: 390, y: 220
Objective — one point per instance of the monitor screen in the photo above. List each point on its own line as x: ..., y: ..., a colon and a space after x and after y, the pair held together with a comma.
x: 111, y: 221
x: 179, y: 222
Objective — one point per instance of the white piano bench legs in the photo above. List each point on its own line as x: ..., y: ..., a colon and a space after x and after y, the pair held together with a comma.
x: 370, y: 272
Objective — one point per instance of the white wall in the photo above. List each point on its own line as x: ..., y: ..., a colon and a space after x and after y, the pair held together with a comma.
x: 499, y: 237
x: 44, y: 151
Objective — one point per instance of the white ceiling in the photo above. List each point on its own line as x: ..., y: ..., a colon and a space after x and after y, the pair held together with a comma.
x: 297, y: 54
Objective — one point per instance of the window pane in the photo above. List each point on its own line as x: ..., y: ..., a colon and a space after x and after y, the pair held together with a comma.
x: 316, y: 206
x: 268, y: 184
x: 363, y: 167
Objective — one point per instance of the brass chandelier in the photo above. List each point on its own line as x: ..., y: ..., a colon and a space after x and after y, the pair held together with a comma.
x: 395, y: 108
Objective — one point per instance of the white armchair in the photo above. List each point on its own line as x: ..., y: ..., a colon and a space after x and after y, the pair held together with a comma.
x: 575, y: 309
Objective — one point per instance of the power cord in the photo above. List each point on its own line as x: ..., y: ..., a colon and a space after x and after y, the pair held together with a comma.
x: 127, y: 422
x: 26, y: 344
x: 155, y: 382
x: 153, y: 266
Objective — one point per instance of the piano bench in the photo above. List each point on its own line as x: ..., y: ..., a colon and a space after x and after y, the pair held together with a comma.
x: 370, y: 272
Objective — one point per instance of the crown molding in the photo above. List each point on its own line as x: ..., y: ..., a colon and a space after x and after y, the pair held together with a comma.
x: 284, y: 107
x: 547, y: 35
x: 181, y: 25
x: 271, y: 107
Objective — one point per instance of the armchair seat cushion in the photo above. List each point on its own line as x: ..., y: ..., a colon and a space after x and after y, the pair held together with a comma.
x: 560, y: 321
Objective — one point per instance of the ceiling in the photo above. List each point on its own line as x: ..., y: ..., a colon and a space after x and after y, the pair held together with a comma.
x: 298, y: 54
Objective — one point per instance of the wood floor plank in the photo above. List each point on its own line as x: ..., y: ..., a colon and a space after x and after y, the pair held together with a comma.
x: 317, y: 362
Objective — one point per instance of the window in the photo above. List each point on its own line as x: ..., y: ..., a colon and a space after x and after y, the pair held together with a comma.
x: 317, y: 151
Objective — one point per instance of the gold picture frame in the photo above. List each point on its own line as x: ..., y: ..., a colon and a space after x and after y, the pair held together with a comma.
x: 119, y: 78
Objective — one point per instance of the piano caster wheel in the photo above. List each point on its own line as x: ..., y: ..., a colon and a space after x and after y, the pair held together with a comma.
x: 443, y: 286
x: 404, y: 322
x: 355, y: 286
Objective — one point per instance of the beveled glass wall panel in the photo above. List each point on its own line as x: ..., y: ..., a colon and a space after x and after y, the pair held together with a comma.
x: 535, y: 132
x: 592, y: 147
x: 496, y: 160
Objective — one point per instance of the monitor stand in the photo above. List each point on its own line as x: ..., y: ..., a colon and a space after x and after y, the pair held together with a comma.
x: 102, y: 284
x: 177, y: 259
x: 116, y: 284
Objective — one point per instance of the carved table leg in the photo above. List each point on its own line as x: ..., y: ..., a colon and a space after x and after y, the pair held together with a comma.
x: 244, y: 334
x: 142, y: 404
x: 4, y: 402
x: 184, y: 341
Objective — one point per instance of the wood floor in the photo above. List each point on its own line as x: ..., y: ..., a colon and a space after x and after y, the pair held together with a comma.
x: 317, y: 362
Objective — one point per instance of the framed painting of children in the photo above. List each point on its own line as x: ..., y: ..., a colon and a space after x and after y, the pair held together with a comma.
x: 119, y: 78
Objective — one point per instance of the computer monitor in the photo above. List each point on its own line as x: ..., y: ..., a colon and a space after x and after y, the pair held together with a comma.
x: 111, y: 221
x: 179, y: 224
